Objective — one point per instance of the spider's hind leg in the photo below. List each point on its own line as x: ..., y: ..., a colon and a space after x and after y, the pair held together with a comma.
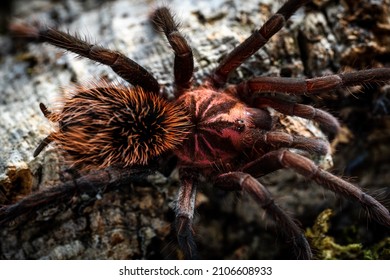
x: 125, y: 67
x: 103, y: 179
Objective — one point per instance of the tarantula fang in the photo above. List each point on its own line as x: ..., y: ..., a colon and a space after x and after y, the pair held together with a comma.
x: 204, y: 127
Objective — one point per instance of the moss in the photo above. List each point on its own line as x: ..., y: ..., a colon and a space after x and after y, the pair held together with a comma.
x: 380, y: 251
x: 326, y: 248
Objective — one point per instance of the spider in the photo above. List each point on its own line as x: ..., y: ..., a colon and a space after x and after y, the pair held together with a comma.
x: 225, y: 133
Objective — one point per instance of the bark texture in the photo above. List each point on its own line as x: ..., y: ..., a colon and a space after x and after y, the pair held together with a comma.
x: 134, y: 222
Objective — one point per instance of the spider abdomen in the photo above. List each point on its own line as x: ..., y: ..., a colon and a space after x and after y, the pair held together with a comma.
x: 110, y: 125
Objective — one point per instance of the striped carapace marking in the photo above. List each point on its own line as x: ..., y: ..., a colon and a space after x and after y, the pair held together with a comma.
x: 218, y: 121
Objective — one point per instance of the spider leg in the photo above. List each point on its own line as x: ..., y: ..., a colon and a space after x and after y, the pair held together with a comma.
x: 327, y: 121
x: 252, y: 91
x: 285, y: 159
x: 91, y: 184
x: 128, y: 69
x: 237, y: 181
x: 278, y: 139
x: 254, y: 42
x: 184, y: 62
x: 185, y: 207
x: 300, y: 86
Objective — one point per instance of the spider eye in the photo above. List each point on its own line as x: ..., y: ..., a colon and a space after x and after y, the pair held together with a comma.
x: 240, y: 125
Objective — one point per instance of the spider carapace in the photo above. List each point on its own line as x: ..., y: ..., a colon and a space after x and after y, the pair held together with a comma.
x: 224, y: 133
x: 220, y: 126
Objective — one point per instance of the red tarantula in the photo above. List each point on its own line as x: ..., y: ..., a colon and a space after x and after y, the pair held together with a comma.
x: 118, y: 130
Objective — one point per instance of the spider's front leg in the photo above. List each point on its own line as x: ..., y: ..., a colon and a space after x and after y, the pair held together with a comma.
x: 253, y: 92
x: 286, y: 159
x: 279, y: 139
x: 254, y: 42
x: 301, y: 86
x: 185, y: 207
x: 237, y: 181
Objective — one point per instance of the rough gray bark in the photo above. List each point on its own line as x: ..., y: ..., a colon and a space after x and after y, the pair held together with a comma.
x: 135, y: 222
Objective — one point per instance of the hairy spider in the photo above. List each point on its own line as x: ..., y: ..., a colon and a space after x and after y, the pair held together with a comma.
x: 120, y: 131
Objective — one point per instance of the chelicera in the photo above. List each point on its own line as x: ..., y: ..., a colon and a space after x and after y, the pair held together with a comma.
x: 209, y: 128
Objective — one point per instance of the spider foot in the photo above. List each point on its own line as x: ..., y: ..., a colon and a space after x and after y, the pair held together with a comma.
x: 237, y: 181
x: 185, y: 238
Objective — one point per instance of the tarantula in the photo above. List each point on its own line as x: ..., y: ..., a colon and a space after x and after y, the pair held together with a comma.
x: 120, y: 131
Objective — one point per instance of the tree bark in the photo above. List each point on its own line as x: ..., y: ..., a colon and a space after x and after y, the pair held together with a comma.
x: 134, y: 222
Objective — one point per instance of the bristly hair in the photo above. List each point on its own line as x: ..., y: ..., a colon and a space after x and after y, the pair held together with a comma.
x: 164, y: 21
x: 115, y: 125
